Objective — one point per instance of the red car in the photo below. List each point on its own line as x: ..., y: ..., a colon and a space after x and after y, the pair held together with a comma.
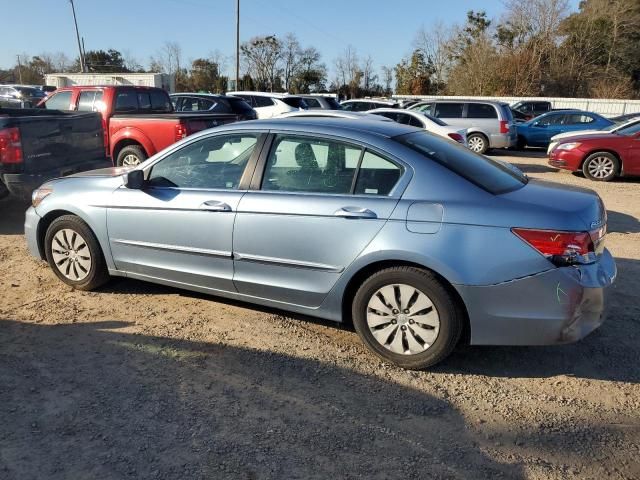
x: 137, y: 121
x: 600, y: 157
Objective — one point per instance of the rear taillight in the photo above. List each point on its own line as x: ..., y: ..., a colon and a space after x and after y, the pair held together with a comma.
x: 504, y: 126
x: 560, y: 247
x: 10, y: 146
x: 181, y: 131
x: 456, y: 136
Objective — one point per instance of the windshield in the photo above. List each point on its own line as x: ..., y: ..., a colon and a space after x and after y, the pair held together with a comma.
x: 630, y: 129
x: 488, y: 174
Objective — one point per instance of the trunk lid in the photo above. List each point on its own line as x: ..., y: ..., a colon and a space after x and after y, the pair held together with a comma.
x: 547, y: 205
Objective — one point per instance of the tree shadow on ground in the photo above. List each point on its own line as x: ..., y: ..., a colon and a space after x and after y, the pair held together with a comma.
x: 88, y: 400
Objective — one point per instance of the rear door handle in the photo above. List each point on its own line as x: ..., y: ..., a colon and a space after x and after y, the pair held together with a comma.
x: 355, y: 212
x: 215, y: 206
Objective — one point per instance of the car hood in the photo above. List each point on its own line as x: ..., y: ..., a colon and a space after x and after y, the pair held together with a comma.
x: 103, y: 172
x: 580, y: 137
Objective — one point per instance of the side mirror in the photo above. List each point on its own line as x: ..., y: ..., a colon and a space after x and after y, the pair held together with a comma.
x: 135, y: 180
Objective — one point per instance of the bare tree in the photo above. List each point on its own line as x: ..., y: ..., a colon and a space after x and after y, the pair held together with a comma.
x: 168, y: 59
x: 349, y: 71
x: 387, y: 79
x: 291, y: 52
x: 262, y: 58
x: 434, y: 43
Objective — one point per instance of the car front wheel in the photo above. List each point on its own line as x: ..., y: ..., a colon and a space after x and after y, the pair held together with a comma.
x: 407, y: 317
x: 74, y: 254
x: 601, y: 166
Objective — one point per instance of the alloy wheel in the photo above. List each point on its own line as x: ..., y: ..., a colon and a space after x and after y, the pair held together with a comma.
x: 476, y: 144
x: 403, y: 319
x: 130, y: 161
x: 71, y: 254
x: 601, y: 167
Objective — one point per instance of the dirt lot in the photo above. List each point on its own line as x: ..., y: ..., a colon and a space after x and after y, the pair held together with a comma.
x: 142, y: 381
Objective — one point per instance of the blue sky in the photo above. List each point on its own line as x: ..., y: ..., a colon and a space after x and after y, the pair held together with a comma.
x: 383, y: 29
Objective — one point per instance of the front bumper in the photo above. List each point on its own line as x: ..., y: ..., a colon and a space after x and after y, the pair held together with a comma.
x: 566, y: 159
x: 561, y: 305
x: 31, y: 232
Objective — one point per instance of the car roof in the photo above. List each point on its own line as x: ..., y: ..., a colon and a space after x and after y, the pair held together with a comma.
x: 327, y: 125
x: 204, y: 95
x: 263, y: 94
x: 331, y: 114
x: 468, y: 100
x: 369, y: 100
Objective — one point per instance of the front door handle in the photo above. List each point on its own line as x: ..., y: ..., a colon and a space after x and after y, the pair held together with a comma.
x: 215, y: 206
x: 355, y: 212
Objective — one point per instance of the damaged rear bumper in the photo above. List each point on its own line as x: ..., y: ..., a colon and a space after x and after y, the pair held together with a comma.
x: 561, y: 305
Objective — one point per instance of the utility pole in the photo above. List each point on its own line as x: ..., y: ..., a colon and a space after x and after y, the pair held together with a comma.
x: 237, y: 45
x: 82, y: 65
x: 19, y: 68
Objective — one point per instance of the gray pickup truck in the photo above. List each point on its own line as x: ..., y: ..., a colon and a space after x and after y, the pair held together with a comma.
x: 37, y: 145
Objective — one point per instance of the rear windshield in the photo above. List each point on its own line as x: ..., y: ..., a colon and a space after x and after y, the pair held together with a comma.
x: 507, y: 114
x: 238, y: 105
x: 333, y: 103
x: 295, y: 102
x: 484, y: 172
x: 630, y: 130
x: 435, y: 120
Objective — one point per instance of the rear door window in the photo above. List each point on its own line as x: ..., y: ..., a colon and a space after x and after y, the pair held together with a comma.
x: 481, y: 110
x: 448, y: 110
x: 578, y: 118
x: 85, y: 100
x: 377, y: 175
x: 308, y: 164
x: 160, y: 101
x: 126, y: 101
x: 59, y: 101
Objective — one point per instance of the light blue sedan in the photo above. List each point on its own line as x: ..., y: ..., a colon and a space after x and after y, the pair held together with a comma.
x: 419, y: 241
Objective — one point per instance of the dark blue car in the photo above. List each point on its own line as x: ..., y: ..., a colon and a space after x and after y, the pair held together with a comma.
x: 538, y: 131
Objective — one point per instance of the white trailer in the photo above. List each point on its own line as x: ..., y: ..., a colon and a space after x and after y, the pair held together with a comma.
x: 161, y: 80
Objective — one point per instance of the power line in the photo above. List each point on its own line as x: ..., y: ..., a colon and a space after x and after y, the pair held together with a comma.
x: 82, y: 64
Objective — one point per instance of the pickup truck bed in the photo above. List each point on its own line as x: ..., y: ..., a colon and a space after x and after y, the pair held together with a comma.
x: 37, y: 145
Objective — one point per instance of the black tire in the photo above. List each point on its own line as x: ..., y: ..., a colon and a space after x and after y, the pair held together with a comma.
x: 93, y: 277
x: 480, y: 140
x: 601, y: 167
x: 451, y: 316
x: 522, y: 143
x: 131, y: 151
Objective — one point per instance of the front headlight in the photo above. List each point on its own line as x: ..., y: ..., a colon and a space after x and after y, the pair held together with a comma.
x: 39, y: 194
x: 568, y: 146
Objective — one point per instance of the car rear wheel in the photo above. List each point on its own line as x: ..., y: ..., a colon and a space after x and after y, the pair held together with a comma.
x: 601, y: 166
x: 74, y: 254
x: 477, y: 143
x: 130, y: 156
x: 407, y: 317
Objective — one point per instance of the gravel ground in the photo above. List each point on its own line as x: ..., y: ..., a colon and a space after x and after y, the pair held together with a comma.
x: 143, y: 381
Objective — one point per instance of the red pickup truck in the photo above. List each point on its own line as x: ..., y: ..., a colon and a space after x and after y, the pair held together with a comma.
x: 137, y: 121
